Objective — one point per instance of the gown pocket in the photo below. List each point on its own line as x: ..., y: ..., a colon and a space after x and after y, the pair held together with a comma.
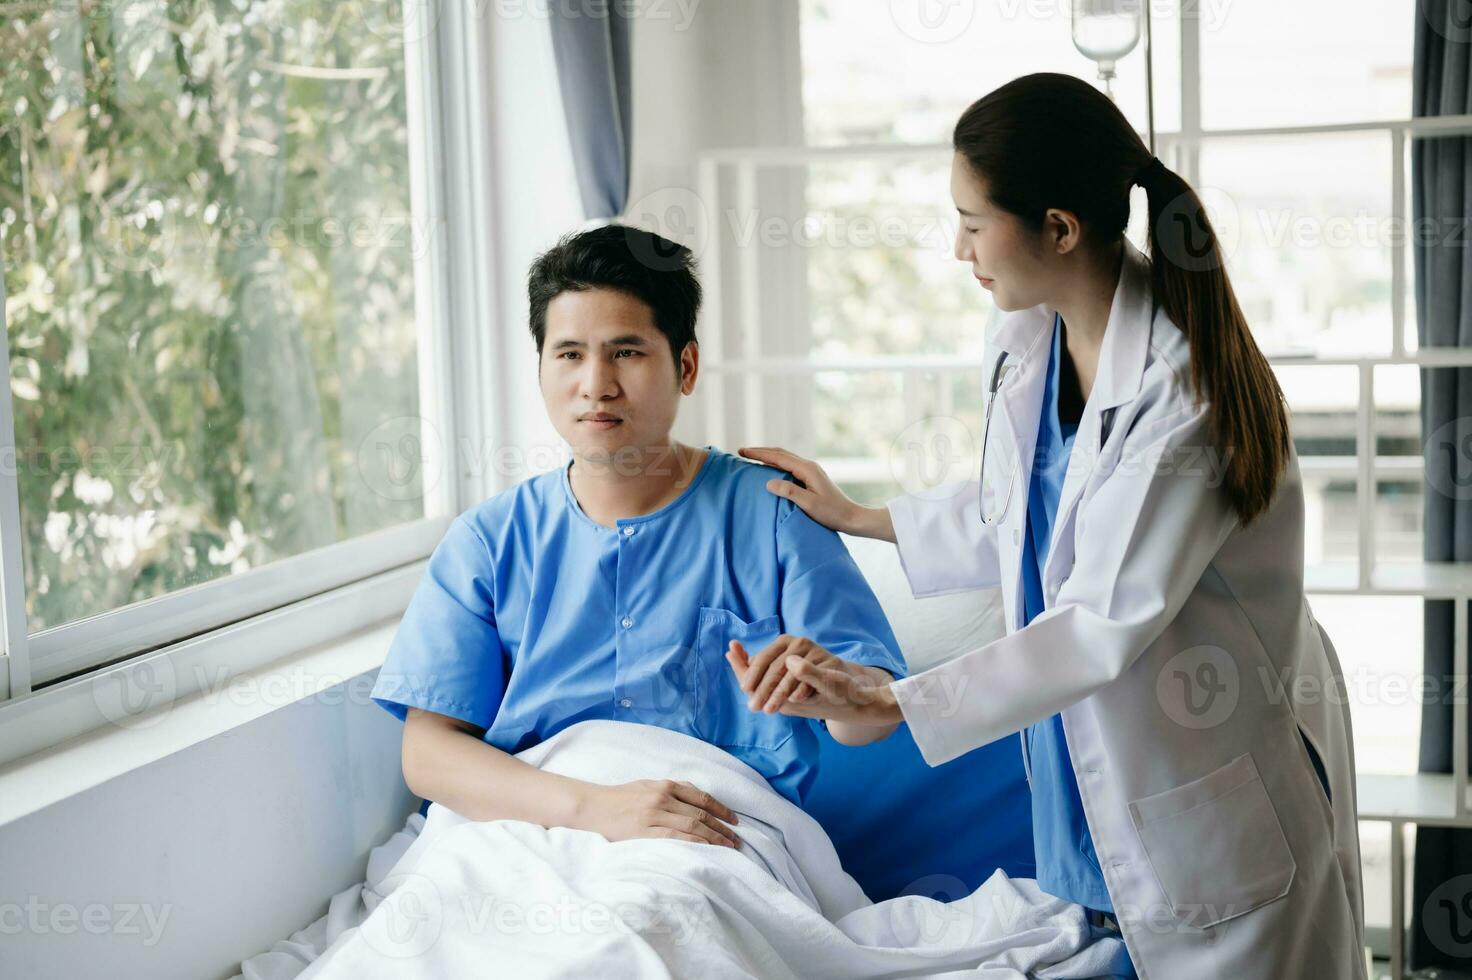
x: 1216, y: 844
x: 724, y: 719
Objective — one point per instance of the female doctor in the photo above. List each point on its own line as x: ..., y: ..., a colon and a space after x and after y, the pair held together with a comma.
x: 1183, y: 718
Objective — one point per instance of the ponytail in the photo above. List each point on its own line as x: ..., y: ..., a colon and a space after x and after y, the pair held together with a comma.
x: 1247, y: 416
x: 1009, y: 138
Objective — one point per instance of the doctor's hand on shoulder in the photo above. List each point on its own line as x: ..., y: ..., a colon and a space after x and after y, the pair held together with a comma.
x: 819, y: 497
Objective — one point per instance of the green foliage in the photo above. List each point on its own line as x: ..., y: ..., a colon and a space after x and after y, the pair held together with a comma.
x: 208, y: 254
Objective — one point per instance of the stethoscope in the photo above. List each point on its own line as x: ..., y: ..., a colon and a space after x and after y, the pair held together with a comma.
x: 1106, y: 420
x: 986, y: 431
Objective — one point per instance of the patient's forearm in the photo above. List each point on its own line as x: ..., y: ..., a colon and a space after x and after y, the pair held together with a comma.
x: 447, y: 761
x: 479, y: 781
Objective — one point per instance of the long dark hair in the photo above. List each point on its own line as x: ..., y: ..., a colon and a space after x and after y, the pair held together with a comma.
x: 1054, y: 141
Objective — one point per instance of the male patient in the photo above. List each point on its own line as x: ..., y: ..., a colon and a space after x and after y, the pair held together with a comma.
x: 629, y: 585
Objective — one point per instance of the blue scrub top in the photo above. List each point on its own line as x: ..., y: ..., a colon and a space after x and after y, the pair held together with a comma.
x: 532, y: 617
x: 1062, y: 846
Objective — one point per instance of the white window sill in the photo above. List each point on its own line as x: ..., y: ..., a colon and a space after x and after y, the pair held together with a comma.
x: 51, y: 775
x: 69, y: 737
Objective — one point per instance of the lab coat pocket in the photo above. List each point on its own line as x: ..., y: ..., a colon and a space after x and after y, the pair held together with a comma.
x: 725, y: 719
x: 1216, y: 845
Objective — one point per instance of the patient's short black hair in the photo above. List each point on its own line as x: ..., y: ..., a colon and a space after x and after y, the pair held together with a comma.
x: 655, y: 270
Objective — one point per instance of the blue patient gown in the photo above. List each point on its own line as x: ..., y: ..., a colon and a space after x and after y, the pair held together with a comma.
x: 532, y: 617
x: 1063, y: 848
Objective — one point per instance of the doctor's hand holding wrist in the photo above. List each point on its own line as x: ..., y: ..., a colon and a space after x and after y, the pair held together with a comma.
x: 795, y: 676
x: 819, y: 496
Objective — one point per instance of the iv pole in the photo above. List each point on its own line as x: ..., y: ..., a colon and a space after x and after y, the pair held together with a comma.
x: 1149, y: 80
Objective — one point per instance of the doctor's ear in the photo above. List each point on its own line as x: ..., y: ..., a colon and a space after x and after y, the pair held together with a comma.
x: 1062, y: 231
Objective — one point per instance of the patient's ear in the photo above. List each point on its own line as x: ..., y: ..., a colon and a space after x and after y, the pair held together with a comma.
x: 689, y: 367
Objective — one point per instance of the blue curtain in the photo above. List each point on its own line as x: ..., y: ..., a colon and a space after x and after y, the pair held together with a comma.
x: 1441, y: 928
x: 591, y: 43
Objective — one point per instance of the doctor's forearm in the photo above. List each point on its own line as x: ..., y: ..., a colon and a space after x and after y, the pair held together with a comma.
x: 858, y: 733
x: 872, y: 522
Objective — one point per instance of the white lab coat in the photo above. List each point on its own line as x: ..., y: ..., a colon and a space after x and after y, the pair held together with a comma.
x: 1181, y: 651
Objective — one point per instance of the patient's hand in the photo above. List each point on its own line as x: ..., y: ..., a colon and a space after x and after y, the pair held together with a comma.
x: 656, y: 808
x: 749, y: 678
x: 830, y: 687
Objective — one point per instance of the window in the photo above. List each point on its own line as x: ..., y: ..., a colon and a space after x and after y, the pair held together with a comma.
x: 1344, y: 62
x: 903, y: 72
x: 212, y: 270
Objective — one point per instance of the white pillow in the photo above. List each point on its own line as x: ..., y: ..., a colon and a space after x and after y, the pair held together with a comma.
x: 933, y: 630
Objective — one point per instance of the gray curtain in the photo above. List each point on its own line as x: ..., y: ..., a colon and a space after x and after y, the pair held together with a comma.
x: 1442, y: 193
x: 590, y: 40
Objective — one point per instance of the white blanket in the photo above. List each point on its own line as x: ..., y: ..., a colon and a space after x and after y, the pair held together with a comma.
x: 507, y: 898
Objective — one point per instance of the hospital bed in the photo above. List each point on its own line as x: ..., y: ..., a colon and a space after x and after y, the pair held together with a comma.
x: 899, y: 826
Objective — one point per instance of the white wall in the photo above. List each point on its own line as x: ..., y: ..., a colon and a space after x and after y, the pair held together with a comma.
x: 729, y: 74
x: 229, y: 845
x: 535, y: 202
